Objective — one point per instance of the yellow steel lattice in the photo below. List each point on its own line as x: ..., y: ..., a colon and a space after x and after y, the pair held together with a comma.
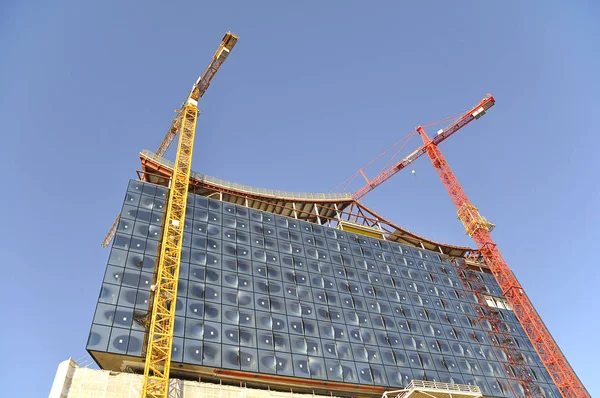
x: 160, y: 334
x: 198, y: 90
x: 472, y: 220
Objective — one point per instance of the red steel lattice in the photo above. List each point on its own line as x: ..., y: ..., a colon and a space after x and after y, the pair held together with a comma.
x: 479, y: 229
x: 513, y: 361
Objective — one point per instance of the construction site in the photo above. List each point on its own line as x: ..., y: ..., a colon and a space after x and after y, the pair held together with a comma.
x: 214, y: 288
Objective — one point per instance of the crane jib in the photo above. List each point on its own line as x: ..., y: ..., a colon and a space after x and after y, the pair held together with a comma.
x: 451, y: 130
x: 474, y: 113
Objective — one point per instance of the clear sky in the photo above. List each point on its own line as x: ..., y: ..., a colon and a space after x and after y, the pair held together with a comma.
x: 312, y: 91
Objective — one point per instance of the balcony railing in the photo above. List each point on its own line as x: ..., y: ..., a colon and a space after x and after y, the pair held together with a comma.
x: 415, y: 385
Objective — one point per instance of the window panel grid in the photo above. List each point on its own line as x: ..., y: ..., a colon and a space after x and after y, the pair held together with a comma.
x: 266, y: 293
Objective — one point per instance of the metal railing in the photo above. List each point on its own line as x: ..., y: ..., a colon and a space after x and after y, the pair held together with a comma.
x: 443, y: 386
x: 433, y: 385
x: 251, y: 189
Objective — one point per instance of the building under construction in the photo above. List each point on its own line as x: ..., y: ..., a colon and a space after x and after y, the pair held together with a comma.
x: 225, y: 283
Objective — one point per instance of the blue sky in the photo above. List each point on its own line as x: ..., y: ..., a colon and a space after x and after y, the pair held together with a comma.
x: 313, y: 91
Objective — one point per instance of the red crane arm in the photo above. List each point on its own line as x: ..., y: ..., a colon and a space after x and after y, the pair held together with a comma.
x: 475, y: 113
x: 478, y: 228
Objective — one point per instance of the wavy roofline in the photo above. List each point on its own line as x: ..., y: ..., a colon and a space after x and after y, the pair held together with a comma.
x: 313, y: 207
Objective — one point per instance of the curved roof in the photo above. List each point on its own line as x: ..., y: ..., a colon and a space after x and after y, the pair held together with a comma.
x: 320, y: 208
x: 250, y: 189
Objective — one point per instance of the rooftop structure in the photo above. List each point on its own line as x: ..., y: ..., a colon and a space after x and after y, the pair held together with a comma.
x: 322, y: 208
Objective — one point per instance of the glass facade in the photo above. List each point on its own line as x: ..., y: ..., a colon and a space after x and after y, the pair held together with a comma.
x: 269, y: 294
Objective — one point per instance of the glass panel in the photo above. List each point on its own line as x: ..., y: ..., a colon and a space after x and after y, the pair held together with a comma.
x: 98, y: 338
x: 105, y: 314
x: 119, y: 339
x: 248, y: 359
x: 211, y: 354
x: 267, y: 362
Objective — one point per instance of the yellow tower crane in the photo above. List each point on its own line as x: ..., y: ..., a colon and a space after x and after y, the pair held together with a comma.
x: 164, y: 289
x: 197, y: 92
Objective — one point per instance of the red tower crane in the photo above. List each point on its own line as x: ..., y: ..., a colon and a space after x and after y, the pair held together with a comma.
x: 475, y: 113
x: 478, y: 228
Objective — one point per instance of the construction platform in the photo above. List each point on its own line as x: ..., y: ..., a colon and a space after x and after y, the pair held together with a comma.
x: 321, y: 208
x: 432, y: 389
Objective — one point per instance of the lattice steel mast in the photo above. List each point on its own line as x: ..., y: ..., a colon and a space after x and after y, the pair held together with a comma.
x: 160, y: 333
x: 513, y: 361
x: 478, y: 228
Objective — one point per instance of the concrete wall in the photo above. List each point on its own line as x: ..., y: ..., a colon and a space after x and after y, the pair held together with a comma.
x: 74, y: 381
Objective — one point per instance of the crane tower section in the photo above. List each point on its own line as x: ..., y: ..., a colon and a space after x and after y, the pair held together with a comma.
x: 478, y: 228
x: 160, y: 333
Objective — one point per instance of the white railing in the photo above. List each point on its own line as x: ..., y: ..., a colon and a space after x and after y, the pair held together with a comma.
x: 443, y: 386
x: 432, y: 385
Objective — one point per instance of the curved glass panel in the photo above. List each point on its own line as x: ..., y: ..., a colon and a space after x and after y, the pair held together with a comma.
x: 264, y: 293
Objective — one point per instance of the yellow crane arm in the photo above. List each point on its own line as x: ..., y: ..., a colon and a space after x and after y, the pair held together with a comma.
x: 198, y: 90
x: 200, y: 87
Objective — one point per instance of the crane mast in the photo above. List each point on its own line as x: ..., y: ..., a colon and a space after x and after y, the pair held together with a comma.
x: 160, y: 332
x: 198, y: 90
x: 478, y: 228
